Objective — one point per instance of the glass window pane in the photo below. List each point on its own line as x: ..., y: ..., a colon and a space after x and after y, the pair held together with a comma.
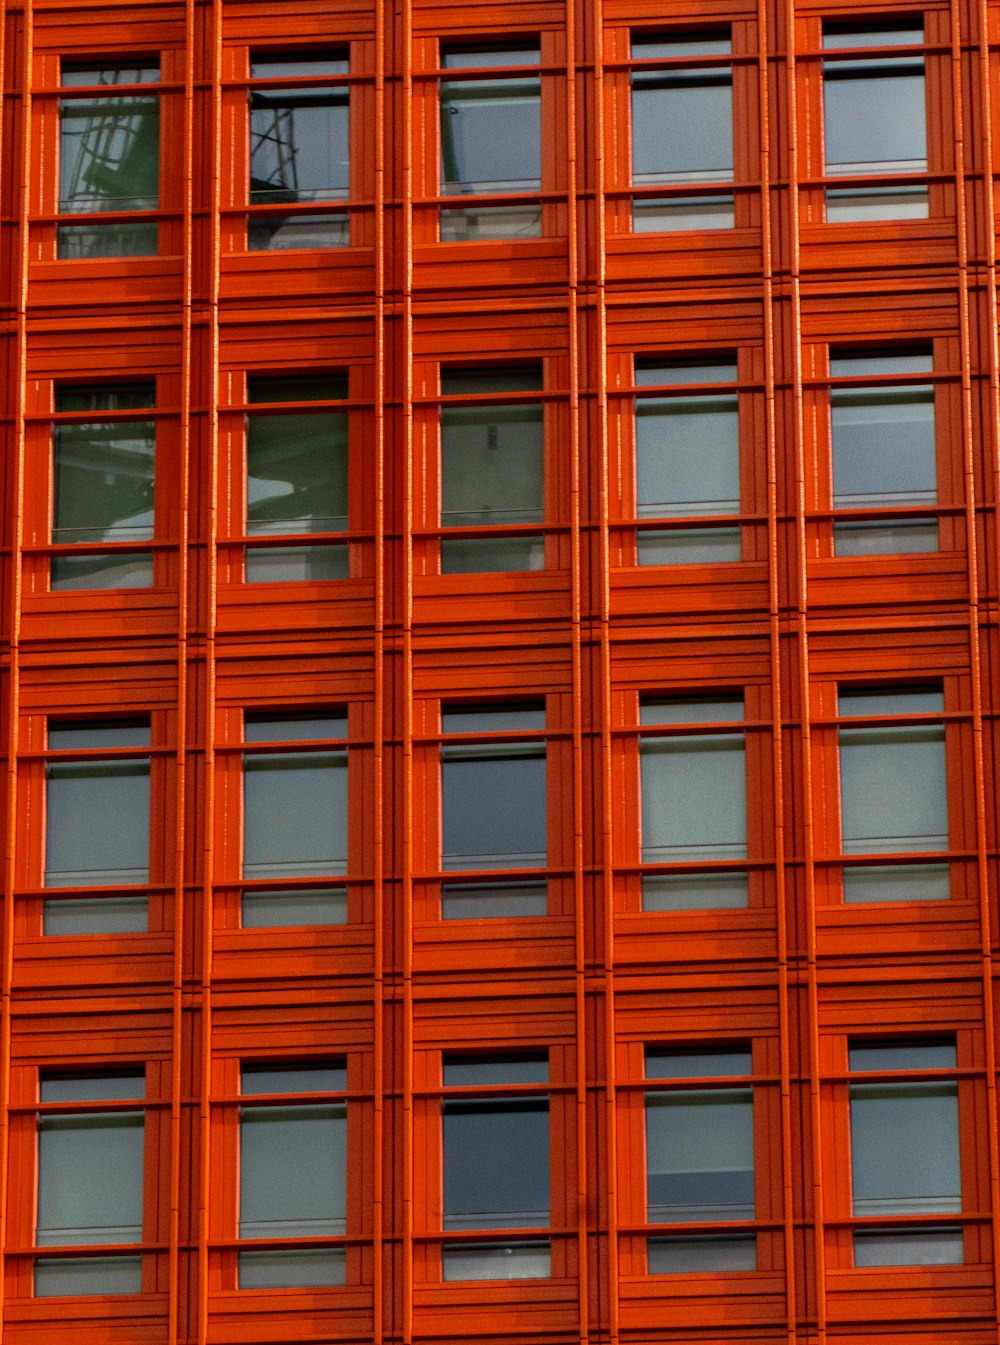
x: 493, y: 806
x: 89, y: 1179
x: 897, y: 882
x: 467, y: 1071
x: 479, y: 1190
x: 699, y: 1151
x: 293, y: 1171
x: 696, y: 710
x: 92, y: 1087
x: 490, y: 130
x: 841, y: 35
x: 687, y: 457
x: 883, y: 447
x: 693, y: 798
x: 694, y: 891
x: 299, y: 144
x: 493, y: 901
x: 297, y: 473
x: 906, y: 1055
x: 120, y: 238
x: 309, y: 906
x: 872, y: 363
x: 78, y: 735
x: 914, y: 700
x: 294, y: 814
x: 719, y: 1064
x: 492, y: 719
x: 491, y: 465
x: 493, y: 1261
x: 290, y: 66
x: 698, y: 1255
x: 875, y: 117
x: 296, y: 1268
x: 893, y: 790
x: 258, y: 1079
x: 97, y: 823
x: 109, y: 153
x: 682, y: 126
x: 910, y: 1247
x: 87, y: 1275
x: 96, y: 915
x: 904, y: 1147
x: 296, y: 728
x: 104, y: 481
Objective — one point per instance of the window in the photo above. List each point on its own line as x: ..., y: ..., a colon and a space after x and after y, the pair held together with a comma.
x: 904, y: 1153
x: 492, y: 470
x: 90, y: 1170
x: 893, y: 792
x: 694, y: 807
x: 496, y: 1166
x: 876, y: 124
x: 109, y: 158
x: 97, y: 824
x: 687, y: 462
x: 103, y: 478
x: 700, y: 1159
x: 491, y: 142
x: 299, y: 150
x: 293, y: 1175
x: 883, y: 449
x: 682, y: 131
x: 294, y: 818
x: 297, y: 479
x: 493, y: 808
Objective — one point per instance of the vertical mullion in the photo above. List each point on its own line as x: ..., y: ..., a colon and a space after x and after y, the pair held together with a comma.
x: 17, y: 367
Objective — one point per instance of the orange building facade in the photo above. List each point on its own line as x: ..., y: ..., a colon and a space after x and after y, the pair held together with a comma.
x: 499, y: 610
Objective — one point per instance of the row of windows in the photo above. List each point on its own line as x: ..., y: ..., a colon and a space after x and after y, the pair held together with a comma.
x: 694, y: 848
x: 493, y: 104
x: 498, y: 1169
x: 689, y: 470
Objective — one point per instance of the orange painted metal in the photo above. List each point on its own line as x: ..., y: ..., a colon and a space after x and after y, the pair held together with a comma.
x: 798, y: 973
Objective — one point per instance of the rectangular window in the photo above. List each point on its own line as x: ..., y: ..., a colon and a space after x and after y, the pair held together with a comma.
x: 491, y: 141
x: 883, y: 450
x: 299, y: 150
x: 694, y: 806
x: 493, y: 807
x: 109, y: 158
x: 687, y: 462
x: 492, y: 470
x: 297, y: 479
x: 103, y: 481
x: 893, y: 793
x: 682, y: 130
x: 97, y: 824
x: 700, y: 1160
x: 293, y: 1175
x: 295, y: 814
x: 90, y: 1180
x: 904, y: 1153
x: 496, y: 1166
x: 875, y: 121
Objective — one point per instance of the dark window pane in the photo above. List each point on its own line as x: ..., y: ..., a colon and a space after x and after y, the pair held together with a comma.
x: 308, y: 906
x: 698, y: 1255
x: 493, y: 804
x: 295, y: 814
x: 293, y: 1171
x: 490, y: 129
x: 479, y: 1190
x: 493, y: 901
x: 297, y: 473
x: 699, y: 1150
x: 89, y: 1179
x: 87, y: 1275
x: 459, y: 1071
x: 97, y: 823
x: 119, y: 239
x: 104, y: 481
x: 904, y: 1147
x: 96, y: 915
x: 491, y: 465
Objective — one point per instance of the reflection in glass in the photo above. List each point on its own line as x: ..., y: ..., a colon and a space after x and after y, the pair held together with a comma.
x: 490, y: 141
x: 492, y: 471
x: 103, y: 487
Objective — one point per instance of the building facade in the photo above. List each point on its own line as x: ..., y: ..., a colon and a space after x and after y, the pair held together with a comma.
x: 499, y: 614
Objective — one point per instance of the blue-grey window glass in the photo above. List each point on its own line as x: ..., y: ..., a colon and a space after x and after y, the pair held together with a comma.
x: 294, y: 803
x: 109, y: 158
x: 700, y: 1160
x: 490, y: 141
x: 495, y: 1166
x: 682, y: 130
x: 493, y: 794
x: 492, y: 470
x: 875, y: 122
x: 103, y: 484
x: 293, y: 1176
x: 693, y: 790
x: 905, y: 1153
x: 97, y: 811
x: 90, y: 1184
x: 687, y: 462
x: 883, y: 451
x: 893, y: 781
x: 297, y: 479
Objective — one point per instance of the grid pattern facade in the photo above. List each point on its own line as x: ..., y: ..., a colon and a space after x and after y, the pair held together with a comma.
x: 514, y: 819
